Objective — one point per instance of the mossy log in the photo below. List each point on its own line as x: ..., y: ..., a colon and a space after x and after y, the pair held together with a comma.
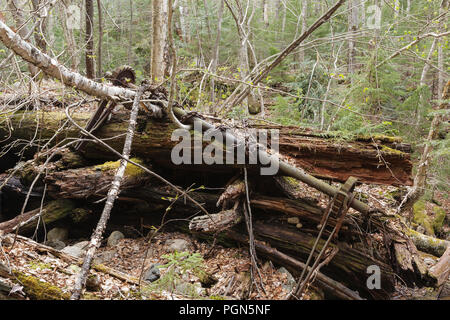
x: 51, y: 212
x: 428, y: 244
x: 93, y: 181
x: 320, y: 156
x: 33, y: 287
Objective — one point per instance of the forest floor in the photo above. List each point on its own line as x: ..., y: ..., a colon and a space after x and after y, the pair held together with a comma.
x: 230, y: 266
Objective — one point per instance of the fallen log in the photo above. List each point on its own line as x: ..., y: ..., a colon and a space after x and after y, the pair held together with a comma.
x: 428, y: 244
x: 153, y: 142
x: 441, y: 270
x: 50, y: 213
x: 330, y: 286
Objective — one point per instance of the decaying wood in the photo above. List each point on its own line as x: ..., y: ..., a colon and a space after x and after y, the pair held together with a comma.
x: 361, y: 159
x: 329, y: 285
x: 215, y: 222
x: 428, y: 244
x: 35, y: 288
x: 51, y: 212
x: 441, y: 270
x: 93, y: 181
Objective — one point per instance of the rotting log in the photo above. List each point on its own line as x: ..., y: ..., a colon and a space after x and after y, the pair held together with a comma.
x: 94, y: 181
x: 349, y: 264
x: 33, y: 287
x: 330, y: 286
x: 330, y: 157
x: 153, y: 142
x: 51, y: 212
x: 441, y: 269
x: 428, y: 244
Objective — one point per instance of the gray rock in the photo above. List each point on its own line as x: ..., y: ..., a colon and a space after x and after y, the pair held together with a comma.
x: 104, y: 257
x: 114, y: 238
x: 178, y: 245
x: 152, y: 273
x: 73, y: 251
x: 291, y: 283
x: 78, y: 250
x: 82, y: 245
x: 60, y: 234
x: 56, y: 244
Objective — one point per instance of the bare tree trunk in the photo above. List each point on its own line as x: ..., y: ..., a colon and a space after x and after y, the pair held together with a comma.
x: 89, y: 38
x: 240, y: 94
x: 440, y: 44
x: 159, y: 40
x: 184, y: 13
x: 304, y: 26
x: 215, y: 55
x: 22, y: 29
x: 265, y: 7
x: 352, y: 26
x: 40, y: 29
x: 130, y: 35
x: 70, y: 38
x: 100, y: 40
x: 208, y: 24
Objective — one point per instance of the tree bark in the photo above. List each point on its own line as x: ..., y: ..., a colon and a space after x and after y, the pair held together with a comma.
x: 89, y: 37
x: 159, y: 40
x: 320, y: 156
x: 100, y: 40
x: 22, y: 29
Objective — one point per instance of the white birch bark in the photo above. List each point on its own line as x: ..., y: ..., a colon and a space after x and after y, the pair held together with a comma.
x: 54, y: 69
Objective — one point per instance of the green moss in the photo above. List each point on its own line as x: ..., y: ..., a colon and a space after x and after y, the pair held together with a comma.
x: 39, y: 265
x: 216, y: 298
x: 39, y: 290
x: 386, y: 149
x: 130, y: 171
x: 385, y: 138
x: 439, y: 217
x: 421, y: 217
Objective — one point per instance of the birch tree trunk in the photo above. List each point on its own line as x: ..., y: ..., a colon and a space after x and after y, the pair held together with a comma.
x: 69, y: 36
x: 159, y: 40
x: 89, y: 38
x: 184, y: 13
x: 54, y: 69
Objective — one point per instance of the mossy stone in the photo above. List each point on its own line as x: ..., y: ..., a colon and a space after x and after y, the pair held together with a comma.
x: 421, y: 217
